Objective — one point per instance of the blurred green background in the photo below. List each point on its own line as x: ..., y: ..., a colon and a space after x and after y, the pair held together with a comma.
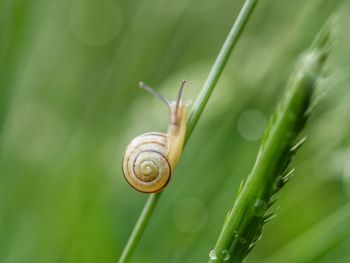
x: 69, y: 105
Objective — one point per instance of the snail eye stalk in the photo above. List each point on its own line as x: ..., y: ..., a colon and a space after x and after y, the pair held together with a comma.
x: 154, y: 93
x: 181, y: 91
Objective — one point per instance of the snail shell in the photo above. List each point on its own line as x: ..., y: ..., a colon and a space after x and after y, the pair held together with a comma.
x: 146, y: 162
x: 150, y: 158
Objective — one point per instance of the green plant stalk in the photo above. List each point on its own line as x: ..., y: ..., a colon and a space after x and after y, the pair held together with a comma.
x: 219, y: 65
x: 193, y: 118
x: 139, y: 228
x: 243, y: 225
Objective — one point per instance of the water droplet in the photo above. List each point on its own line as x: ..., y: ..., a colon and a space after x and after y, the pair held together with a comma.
x: 212, y: 255
x: 235, y: 234
x: 242, y: 240
x: 278, y: 183
x: 225, y: 255
x: 260, y: 207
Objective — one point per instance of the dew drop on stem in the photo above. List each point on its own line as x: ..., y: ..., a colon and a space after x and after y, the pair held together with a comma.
x: 242, y: 240
x: 225, y: 255
x: 260, y: 207
x: 278, y: 183
x: 212, y: 255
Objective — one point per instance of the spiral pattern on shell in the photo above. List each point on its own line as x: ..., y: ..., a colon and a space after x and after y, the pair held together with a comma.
x: 145, y: 164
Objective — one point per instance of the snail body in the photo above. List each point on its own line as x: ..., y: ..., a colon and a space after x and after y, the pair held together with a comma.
x: 150, y: 158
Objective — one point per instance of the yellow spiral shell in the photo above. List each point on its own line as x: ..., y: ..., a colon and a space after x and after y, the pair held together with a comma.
x: 146, y: 166
x: 150, y: 158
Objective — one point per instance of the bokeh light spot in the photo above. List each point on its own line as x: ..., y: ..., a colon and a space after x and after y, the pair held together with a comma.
x: 95, y: 22
x: 251, y: 125
x: 190, y: 215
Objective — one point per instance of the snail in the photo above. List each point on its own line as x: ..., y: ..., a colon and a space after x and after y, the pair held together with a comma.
x: 150, y: 158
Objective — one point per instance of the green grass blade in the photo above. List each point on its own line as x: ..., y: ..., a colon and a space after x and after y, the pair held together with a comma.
x: 243, y: 226
x: 219, y: 65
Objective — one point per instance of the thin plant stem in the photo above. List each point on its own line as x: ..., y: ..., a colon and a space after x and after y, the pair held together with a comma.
x: 193, y: 118
x: 140, y: 225
x: 219, y: 65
